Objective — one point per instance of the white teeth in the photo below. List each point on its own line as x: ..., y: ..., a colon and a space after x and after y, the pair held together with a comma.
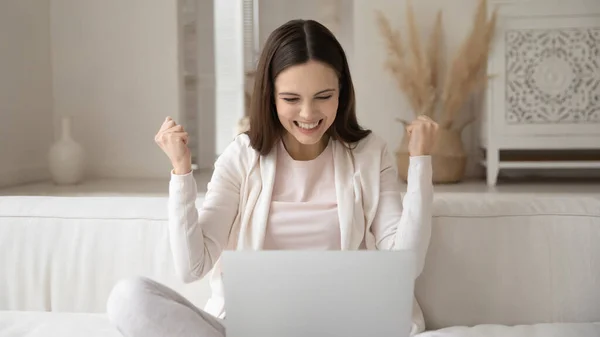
x: 308, y: 126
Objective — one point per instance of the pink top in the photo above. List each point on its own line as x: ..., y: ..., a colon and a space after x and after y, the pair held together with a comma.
x: 303, y: 213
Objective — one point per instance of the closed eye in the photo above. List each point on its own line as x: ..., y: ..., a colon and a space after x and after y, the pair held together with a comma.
x: 295, y: 99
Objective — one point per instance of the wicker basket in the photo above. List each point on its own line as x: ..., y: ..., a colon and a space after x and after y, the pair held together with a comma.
x: 448, y: 157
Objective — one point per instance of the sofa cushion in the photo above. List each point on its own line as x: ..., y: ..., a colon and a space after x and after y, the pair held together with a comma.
x: 535, y: 330
x: 46, y: 324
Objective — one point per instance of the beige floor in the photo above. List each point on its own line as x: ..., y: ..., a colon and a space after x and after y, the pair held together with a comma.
x: 159, y: 187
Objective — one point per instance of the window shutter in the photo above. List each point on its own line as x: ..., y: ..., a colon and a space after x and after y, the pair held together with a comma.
x: 189, y: 41
x: 229, y: 69
x: 249, y: 33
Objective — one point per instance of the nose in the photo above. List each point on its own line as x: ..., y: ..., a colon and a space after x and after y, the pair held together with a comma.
x: 308, y: 111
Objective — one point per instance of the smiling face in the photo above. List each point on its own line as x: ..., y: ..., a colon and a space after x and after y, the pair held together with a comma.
x: 302, y: 93
x: 306, y: 98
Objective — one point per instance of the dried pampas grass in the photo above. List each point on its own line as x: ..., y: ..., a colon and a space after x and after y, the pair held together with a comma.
x: 418, y: 72
x: 414, y: 73
x: 468, y: 70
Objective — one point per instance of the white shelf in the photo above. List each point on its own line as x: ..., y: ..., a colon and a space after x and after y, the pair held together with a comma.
x: 106, y: 187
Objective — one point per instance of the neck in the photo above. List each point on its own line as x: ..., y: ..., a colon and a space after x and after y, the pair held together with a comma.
x: 299, y: 151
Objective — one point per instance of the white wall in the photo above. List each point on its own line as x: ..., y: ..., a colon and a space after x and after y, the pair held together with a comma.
x: 379, y: 101
x: 274, y: 13
x: 115, y: 66
x: 25, y: 91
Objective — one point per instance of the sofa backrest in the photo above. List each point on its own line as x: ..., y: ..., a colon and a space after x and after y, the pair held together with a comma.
x: 512, y: 259
x: 66, y: 253
x: 505, y: 259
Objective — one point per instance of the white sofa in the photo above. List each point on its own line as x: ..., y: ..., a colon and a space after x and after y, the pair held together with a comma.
x: 498, y: 265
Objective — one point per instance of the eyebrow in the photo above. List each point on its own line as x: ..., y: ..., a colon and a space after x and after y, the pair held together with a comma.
x: 294, y: 94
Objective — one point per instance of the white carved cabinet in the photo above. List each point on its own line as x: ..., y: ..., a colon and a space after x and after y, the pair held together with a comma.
x: 544, y: 93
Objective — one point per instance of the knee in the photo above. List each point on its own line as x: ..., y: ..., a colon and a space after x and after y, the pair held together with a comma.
x: 127, y: 299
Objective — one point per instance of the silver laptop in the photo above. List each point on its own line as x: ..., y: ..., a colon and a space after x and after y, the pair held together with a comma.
x: 318, y: 293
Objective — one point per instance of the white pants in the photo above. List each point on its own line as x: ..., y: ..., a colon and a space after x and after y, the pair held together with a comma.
x: 140, y: 307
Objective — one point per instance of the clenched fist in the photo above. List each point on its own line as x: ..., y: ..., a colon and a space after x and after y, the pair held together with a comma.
x: 422, y: 133
x: 173, y: 139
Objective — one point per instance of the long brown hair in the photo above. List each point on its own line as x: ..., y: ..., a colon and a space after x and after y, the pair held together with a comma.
x: 297, y: 42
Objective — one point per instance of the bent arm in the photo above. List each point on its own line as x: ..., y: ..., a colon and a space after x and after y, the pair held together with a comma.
x: 198, y: 236
x: 405, y: 224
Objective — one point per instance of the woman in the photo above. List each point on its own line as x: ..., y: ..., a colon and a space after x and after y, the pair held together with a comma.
x: 305, y: 158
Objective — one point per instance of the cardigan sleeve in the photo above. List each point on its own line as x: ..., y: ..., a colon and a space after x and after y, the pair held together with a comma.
x: 405, y: 224
x: 198, y: 235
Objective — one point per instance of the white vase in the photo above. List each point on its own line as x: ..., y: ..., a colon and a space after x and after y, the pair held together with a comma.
x: 66, y: 157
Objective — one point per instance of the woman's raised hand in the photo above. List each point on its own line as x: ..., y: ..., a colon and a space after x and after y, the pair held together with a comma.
x: 422, y: 133
x: 173, y: 139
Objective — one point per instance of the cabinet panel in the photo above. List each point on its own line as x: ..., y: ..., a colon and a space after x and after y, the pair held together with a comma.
x: 547, y: 70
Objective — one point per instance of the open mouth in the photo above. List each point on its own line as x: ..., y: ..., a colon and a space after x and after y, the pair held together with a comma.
x: 308, y: 126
